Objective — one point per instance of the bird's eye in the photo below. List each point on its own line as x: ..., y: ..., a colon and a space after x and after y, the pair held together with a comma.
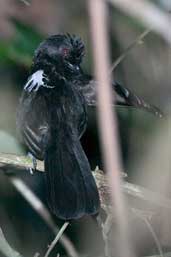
x: 65, y: 52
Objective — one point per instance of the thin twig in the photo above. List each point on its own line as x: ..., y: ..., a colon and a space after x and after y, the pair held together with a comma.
x: 58, y: 236
x: 168, y: 254
x: 43, y: 212
x: 34, y: 201
x: 144, y: 194
x: 137, y: 41
x: 23, y: 162
x: 156, y: 240
x: 148, y: 14
x: 106, y: 228
x: 25, y: 2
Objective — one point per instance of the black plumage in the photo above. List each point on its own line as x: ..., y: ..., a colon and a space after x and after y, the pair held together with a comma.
x: 52, y: 117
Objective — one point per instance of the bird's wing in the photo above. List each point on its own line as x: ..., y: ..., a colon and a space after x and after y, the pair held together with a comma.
x: 32, y: 114
x: 126, y: 97
x: 32, y: 123
x: 71, y: 188
x: 123, y: 96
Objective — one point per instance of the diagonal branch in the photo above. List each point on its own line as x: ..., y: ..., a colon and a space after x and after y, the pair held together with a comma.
x: 7, y: 163
x: 55, y: 241
x: 25, y: 2
x: 6, y: 249
x: 137, y: 41
x: 148, y: 14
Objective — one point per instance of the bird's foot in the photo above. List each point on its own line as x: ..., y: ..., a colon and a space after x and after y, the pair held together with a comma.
x: 34, y: 163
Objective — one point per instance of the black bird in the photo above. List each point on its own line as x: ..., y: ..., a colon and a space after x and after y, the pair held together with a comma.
x: 52, y: 117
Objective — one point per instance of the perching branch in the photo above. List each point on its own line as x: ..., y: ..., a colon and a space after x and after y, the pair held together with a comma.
x: 18, y: 162
x: 11, y: 161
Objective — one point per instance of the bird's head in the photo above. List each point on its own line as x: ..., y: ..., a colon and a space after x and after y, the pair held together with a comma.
x: 63, y: 52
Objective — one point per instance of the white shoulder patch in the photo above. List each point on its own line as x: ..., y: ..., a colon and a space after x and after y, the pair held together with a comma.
x: 37, y: 80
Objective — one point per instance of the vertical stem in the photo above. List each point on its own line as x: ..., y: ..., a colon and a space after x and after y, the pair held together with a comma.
x: 107, y: 119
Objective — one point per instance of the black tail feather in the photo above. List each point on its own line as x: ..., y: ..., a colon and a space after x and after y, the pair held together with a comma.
x: 123, y: 96
x: 71, y: 188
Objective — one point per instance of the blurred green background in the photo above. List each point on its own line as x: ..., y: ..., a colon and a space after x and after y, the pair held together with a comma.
x: 145, y: 70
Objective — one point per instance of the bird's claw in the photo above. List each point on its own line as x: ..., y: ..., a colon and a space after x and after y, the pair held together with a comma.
x: 34, y: 163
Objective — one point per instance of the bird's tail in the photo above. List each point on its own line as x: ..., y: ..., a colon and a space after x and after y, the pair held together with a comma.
x: 71, y: 188
x: 128, y: 98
